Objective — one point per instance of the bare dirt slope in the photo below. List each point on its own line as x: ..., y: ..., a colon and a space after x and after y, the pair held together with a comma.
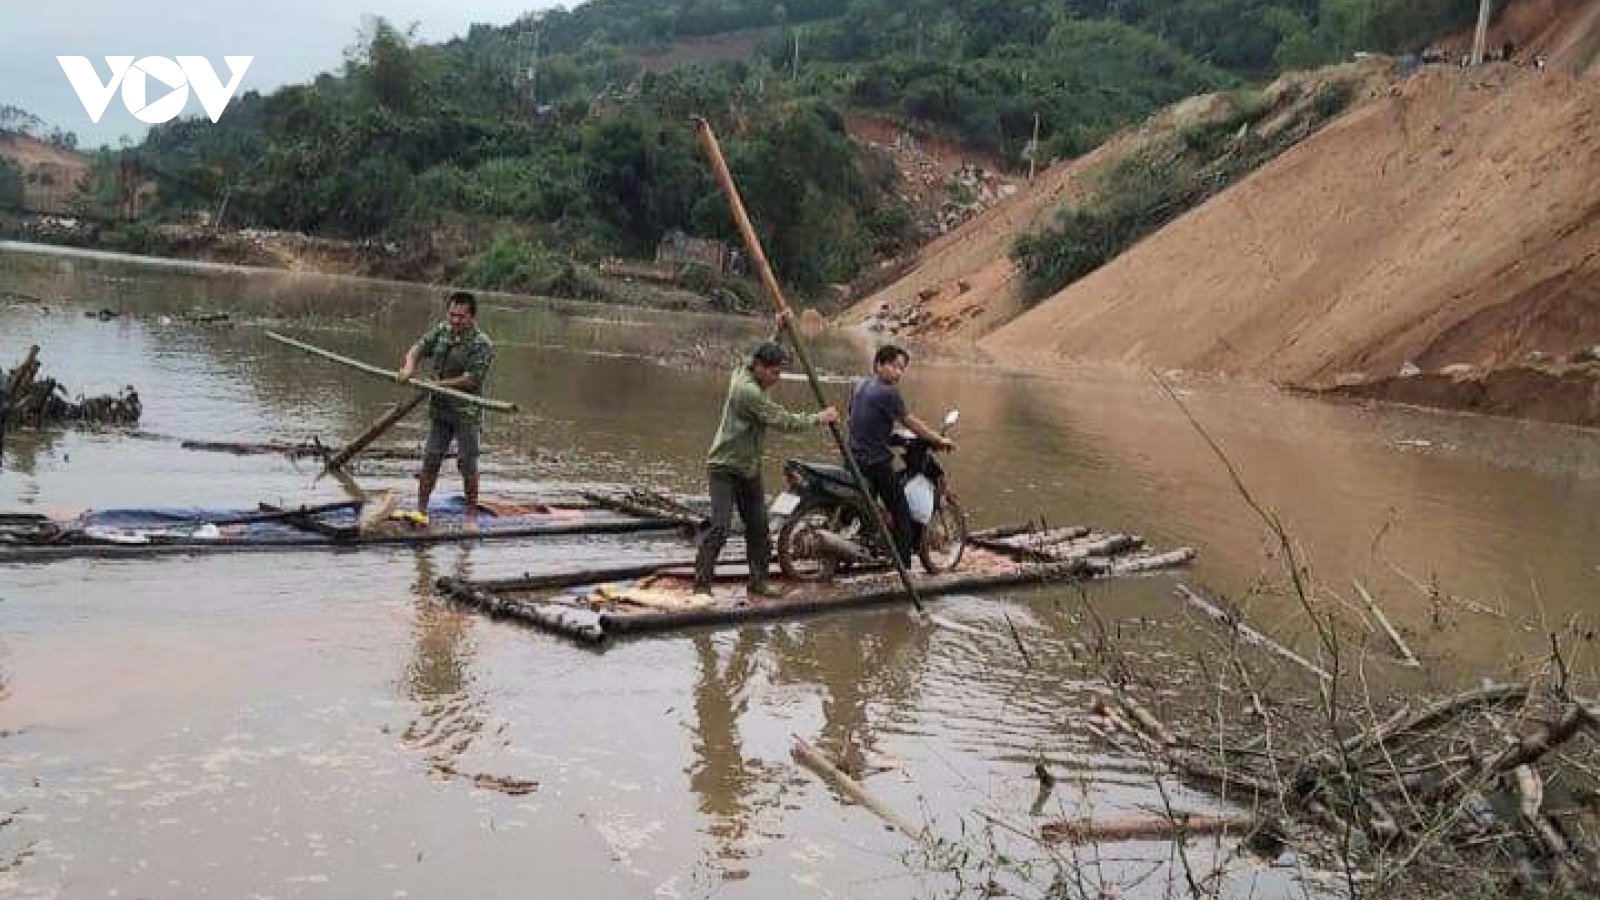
x: 963, y: 284
x: 1455, y: 219
x: 52, y: 174
x: 1566, y: 32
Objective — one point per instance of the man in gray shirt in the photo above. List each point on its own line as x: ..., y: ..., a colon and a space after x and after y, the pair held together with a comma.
x: 876, y: 407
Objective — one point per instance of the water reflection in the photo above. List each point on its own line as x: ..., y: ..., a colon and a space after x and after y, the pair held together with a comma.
x: 723, y: 780
x: 439, y: 674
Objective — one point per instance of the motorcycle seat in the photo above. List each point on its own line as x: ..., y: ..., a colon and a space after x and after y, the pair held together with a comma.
x: 834, y: 479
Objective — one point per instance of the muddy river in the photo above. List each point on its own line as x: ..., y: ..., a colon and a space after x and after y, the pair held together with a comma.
x: 320, y: 725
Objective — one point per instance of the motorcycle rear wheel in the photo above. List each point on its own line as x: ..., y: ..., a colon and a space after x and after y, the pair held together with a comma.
x: 799, y: 555
x: 944, y: 538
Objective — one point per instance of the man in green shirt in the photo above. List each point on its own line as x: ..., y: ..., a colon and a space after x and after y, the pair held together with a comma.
x: 734, y: 465
x: 461, y: 355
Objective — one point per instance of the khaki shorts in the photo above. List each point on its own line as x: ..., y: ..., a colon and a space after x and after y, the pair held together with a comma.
x: 441, y: 432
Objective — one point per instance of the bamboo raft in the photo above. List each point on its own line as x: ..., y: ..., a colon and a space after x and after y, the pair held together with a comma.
x: 595, y: 605
x: 143, y: 534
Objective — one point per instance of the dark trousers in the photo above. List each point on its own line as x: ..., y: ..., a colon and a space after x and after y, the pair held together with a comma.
x: 886, y: 486
x: 730, y: 491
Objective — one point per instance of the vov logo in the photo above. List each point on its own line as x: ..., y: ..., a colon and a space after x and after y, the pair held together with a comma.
x: 173, y: 80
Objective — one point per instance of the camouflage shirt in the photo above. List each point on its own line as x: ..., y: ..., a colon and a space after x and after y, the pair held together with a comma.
x: 453, y: 356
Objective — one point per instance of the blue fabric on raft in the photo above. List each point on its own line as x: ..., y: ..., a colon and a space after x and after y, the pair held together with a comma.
x: 443, y: 511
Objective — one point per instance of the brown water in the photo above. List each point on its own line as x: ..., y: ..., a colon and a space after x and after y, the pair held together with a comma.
x: 317, y: 725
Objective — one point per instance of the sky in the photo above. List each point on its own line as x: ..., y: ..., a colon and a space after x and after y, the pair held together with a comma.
x: 292, y: 41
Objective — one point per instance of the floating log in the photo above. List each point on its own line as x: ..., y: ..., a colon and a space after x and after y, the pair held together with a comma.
x: 22, y: 376
x: 1144, y: 828
x: 373, y: 432
x: 808, y: 756
x: 1399, y: 642
x: 1148, y: 562
x: 430, y: 387
x: 1237, y: 624
x: 1000, y: 532
x: 293, y: 451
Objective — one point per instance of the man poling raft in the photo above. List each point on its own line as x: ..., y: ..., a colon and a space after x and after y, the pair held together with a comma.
x: 734, y: 464
x: 462, y: 355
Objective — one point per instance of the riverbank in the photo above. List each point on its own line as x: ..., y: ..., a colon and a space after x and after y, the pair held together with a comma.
x: 427, y: 262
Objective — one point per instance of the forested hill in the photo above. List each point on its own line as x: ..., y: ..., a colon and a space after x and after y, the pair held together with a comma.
x: 514, y: 150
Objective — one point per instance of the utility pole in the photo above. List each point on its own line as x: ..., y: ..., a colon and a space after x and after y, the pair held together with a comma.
x: 794, y: 70
x: 1481, y: 36
x: 1033, y: 146
x: 530, y: 71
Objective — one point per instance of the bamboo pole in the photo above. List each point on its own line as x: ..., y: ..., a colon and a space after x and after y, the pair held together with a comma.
x: 1410, y: 658
x: 1238, y: 625
x: 373, y: 432
x: 719, y: 168
x: 430, y: 387
x: 809, y: 757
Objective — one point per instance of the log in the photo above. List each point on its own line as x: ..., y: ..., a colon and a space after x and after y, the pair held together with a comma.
x: 430, y: 387
x: 305, y: 522
x: 629, y: 507
x: 273, y: 513
x: 562, y: 618
x: 574, y: 578
x: 1399, y: 642
x: 1108, y: 545
x: 23, y: 374
x: 293, y: 451
x: 373, y: 432
x: 1151, y: 828
x: 808, y: 756
x: 1239, y: 627
x: 1150, y: 562
x: 1496, y: 695
x: 1039, y: 539
x: 999, y: 533
x: 1524, y: 750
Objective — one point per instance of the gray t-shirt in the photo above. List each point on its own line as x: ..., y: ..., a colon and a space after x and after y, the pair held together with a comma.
x: 875, y: 407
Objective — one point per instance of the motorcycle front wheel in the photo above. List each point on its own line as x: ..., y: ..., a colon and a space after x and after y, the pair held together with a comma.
x: 800, y: 554
x: 944, y: 538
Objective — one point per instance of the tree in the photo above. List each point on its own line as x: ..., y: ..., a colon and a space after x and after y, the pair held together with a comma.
x: 11, y: 184
x: 16, y: 120
x: 385, y: 64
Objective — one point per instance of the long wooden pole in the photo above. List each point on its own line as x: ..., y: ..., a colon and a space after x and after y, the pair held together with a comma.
x: 373, y: 432
x: 430, y: 387
x: 719, y: 167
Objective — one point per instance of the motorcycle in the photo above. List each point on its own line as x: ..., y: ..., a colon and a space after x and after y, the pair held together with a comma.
x: 827, y: 527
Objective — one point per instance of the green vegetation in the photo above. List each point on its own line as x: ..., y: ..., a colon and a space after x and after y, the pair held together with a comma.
x: 11, y: 184
x: 530, y: 175
x: 1140, y: 194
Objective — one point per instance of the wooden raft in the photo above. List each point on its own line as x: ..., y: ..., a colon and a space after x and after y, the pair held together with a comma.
x: 594, y: 605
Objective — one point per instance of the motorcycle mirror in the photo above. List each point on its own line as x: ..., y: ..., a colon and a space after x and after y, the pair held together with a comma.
x: 951, y: 418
